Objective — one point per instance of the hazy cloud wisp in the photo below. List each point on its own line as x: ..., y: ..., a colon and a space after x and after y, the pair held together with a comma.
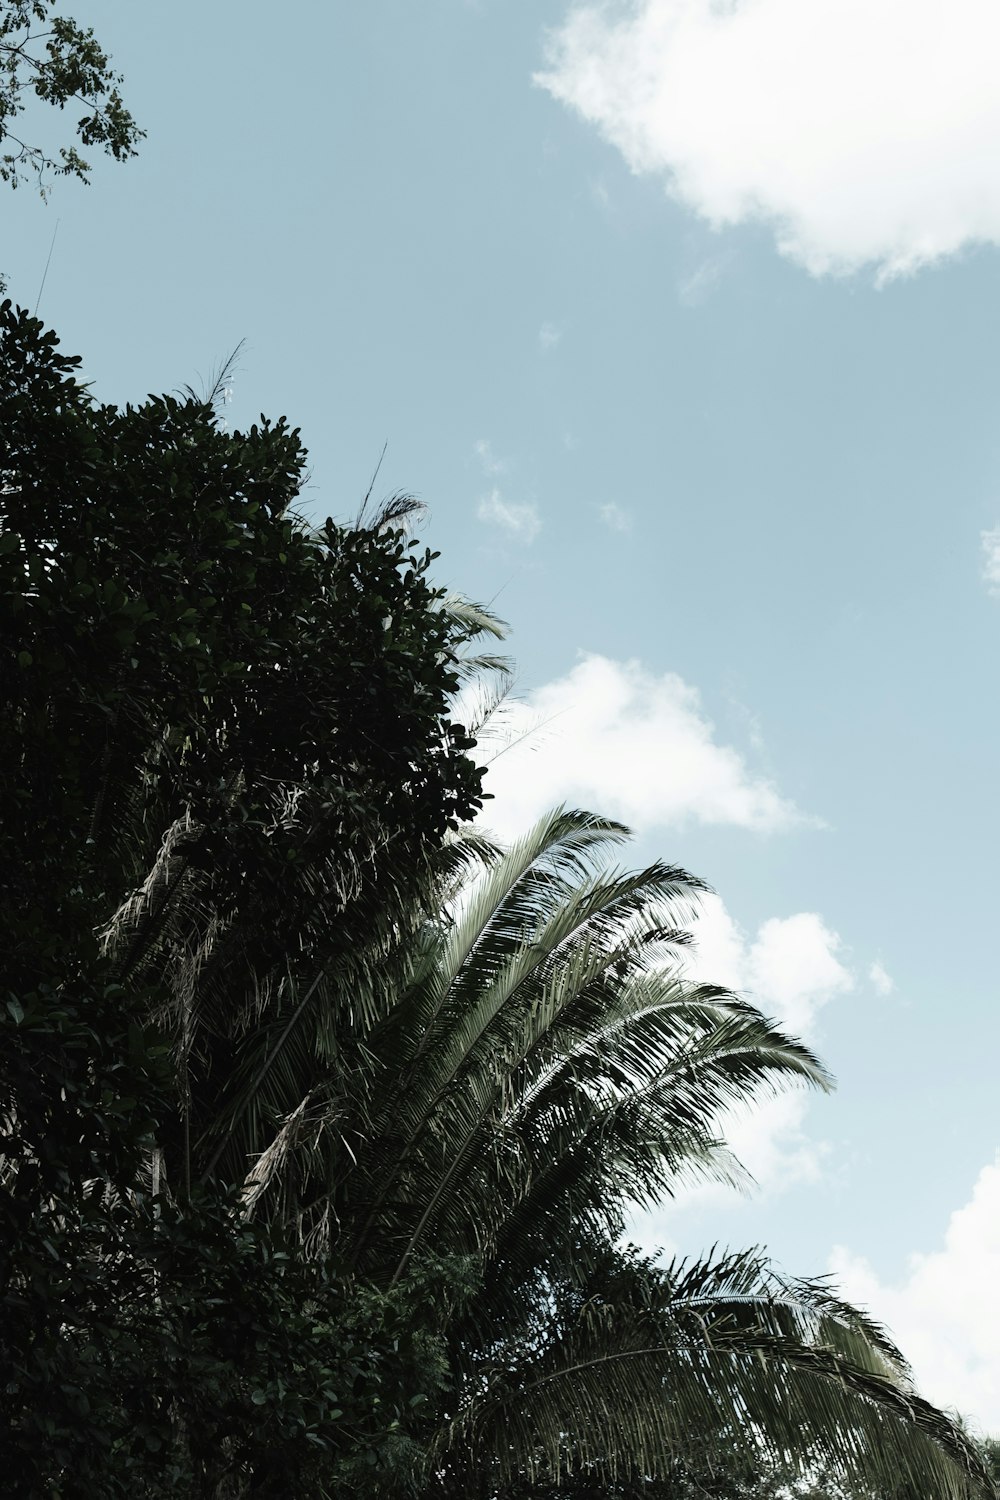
x: 518, y: 519
x: 615, y: 517
x: 882, y: 982
x: 990, y: 543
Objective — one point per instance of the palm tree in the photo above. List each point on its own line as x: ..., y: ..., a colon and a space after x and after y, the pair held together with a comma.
x: 514, y: 1066
x: 544, y: 1062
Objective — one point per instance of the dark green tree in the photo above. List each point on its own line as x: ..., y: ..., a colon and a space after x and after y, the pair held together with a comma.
x: 51, y: 59
x: 204, y: 704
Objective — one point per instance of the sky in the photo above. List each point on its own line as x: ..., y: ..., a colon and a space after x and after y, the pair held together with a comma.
x: 681, y: 316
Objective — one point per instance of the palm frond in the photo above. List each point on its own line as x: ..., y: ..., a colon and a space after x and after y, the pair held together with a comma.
x: 644, y: 1361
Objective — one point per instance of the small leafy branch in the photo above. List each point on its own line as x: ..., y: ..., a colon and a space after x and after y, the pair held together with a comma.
x: 62, y: 64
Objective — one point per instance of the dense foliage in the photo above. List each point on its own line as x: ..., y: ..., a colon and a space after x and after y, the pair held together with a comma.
x: 186, y: 669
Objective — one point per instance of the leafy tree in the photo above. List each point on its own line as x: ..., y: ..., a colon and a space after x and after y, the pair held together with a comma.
x: 190, y: 673
x: 59, y: 62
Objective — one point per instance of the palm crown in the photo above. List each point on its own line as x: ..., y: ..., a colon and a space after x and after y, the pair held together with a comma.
x: 514, y: 1060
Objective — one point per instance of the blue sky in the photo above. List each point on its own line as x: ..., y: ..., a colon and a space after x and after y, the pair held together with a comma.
x: 683, y: 320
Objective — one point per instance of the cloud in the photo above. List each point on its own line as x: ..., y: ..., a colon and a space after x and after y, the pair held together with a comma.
x: 615, y: 517
x: 990, y: 541
x: 883, y: 983
x: 693, y: 290
x: 519, y: 520
x: 945, y: 1311
x: 491, y: 465
x: 864, y: 132
x: 599, y: 193
x: 790, y: 969
x: 618, y: 739
x: 549, y: 335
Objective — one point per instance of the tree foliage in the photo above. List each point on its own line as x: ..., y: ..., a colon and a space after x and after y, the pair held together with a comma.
x: 188, y: 669
x: 54, y: 60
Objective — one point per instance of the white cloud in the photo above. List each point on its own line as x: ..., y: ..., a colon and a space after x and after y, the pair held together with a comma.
x: 866, y: 132
x: 945, y: 1312
x: 790, y: 969
x: 990, y: 541
x: 492, y: 465
x: 615, y: 517
x: 615, y: 738
x: 549, y: 335
x: 883, y: 983
x: 521, y: 520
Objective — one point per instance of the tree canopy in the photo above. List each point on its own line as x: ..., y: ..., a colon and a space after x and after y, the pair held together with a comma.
x: 190, y: 671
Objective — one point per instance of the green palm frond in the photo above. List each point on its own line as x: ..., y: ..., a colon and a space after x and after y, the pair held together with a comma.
x: 639, y: 1362
x: 473, y: 622
x: 549, y: 1062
